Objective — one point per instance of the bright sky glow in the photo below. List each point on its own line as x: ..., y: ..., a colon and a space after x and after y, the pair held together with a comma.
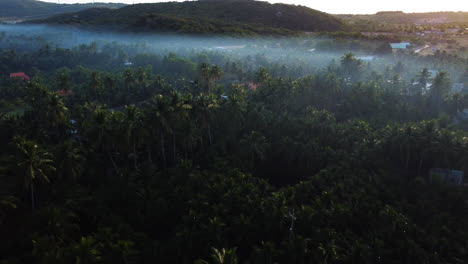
x: 344, y: 6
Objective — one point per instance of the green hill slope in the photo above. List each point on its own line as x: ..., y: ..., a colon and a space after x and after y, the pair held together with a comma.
x: 206, y: 17
x: 33, y: 8
x: 433, y: 18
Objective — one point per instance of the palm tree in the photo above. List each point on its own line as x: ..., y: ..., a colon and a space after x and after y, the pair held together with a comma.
x: 215, y: 74
x: 64, y: 81
x: 457, y: 102
x: 440, y: 88
x: 70, y: 160
x: 96, y: 85
x: 209, y: 74
x: 262, y: 76
x: 131, y: 126
x: 351, y: 66
x: 224, y: 256
x: 86, y: 251
x: 204, y: 107
x: 56, y: 112
x: 423, y: 78
x: 158, y: 118
x: 255, y: 145
x: 34, y: 164
x: 204, y: 72
x: 95, y: 125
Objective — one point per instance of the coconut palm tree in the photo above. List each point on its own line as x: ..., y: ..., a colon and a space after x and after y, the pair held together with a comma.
x: 158, y: 119
x: 56, y: 111
x: 204, y: 108
x: 221, y: 256
x: 440, y: 88
x: 215, y: 74
x: 423, y: 79
x: 34, y: 164
x: 204, y: 72
x: 224, y: 256
x: 132, y: 124
x: 70, y: 160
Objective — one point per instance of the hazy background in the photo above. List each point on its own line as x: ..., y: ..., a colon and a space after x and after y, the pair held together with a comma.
x: 344, y: 6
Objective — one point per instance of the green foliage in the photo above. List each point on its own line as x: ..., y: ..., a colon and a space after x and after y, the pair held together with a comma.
x: 197, y: 157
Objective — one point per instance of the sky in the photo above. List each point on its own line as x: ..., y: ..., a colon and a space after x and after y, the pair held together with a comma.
x: 344, y: 6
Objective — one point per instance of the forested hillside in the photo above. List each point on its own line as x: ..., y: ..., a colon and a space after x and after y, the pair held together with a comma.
x: 415, y: 18
x: 400, y: 21
x: 34, y: 8
x: 205, y: 17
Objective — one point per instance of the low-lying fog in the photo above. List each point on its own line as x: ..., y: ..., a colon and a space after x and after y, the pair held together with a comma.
x: 312, y: 52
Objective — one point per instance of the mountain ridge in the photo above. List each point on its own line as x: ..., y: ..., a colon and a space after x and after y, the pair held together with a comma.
x: 205, y: 17
x: 24, y: 9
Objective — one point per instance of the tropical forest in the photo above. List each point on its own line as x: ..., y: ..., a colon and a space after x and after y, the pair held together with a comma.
x: 122, y: 147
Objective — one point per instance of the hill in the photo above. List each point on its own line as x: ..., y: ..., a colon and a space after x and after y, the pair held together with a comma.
x: 36, y: 9
x: 417, y: 18
x: 397, y: 21
x: 243, y: 17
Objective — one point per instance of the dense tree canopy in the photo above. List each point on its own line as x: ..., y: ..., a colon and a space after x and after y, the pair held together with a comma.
x: 199, y: 157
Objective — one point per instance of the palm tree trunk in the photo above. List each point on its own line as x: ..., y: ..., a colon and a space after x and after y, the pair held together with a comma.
x: 163, y: 152
x: 32, y: 196
x: 150, y: 158
x: 185, y: 149
x: 407, y: 157
x: 420, y: 166
x: 191, y: 150
x: 135, y: 161
x: 174, y: 146
x: 114, y: 164
x: 209, y: 134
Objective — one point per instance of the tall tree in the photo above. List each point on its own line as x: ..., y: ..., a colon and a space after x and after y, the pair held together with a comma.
x: 34, y: 164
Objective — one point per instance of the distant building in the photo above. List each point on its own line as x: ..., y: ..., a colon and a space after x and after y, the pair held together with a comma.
x: 400, y: 46
x: 128, y: 64
x: 64, y: 93
x: 433, y: 73
x: 252, y: 86
x: 463, y: 115
x: 367, y: 58
x: 249, y: 85
x: 229, y: 48
x: 20, y: 75
x: 449, y: 176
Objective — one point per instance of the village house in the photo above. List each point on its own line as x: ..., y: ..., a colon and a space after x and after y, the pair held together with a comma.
x: 20, y: 75
x: 367, y: 58
x: 64, y: 93
x: 399, y: 47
